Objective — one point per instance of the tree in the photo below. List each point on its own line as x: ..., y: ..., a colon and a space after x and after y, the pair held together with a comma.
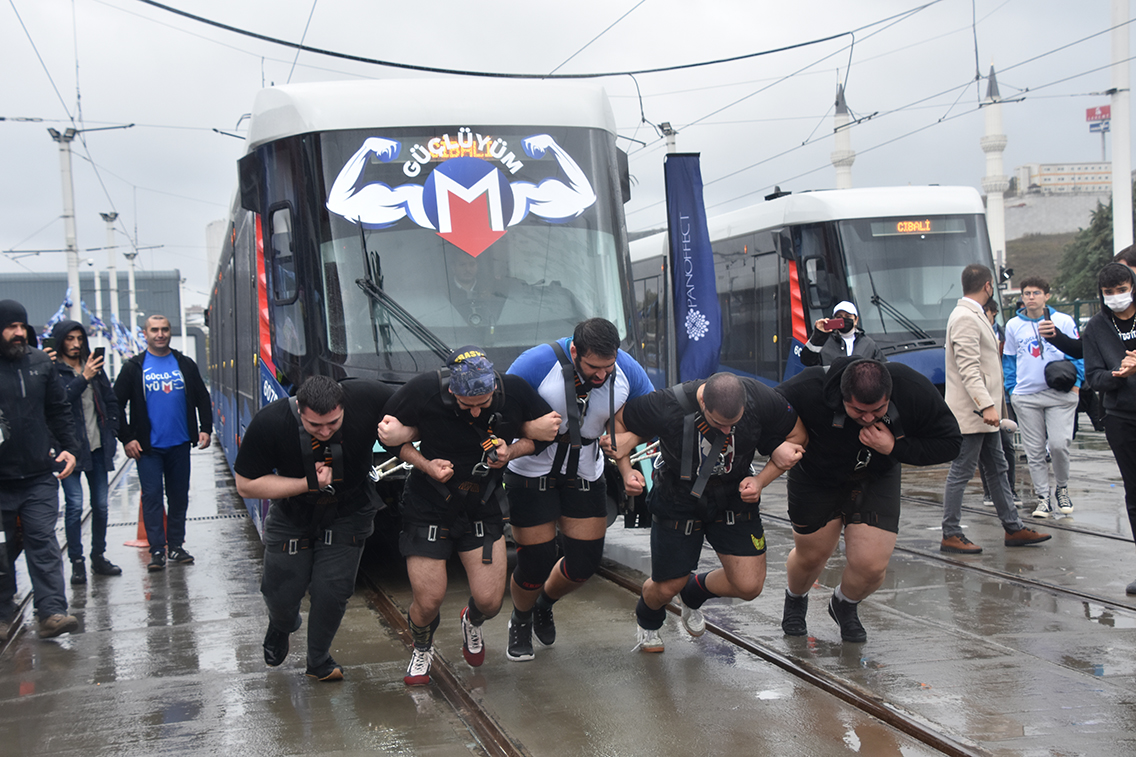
x: 1090, y: 251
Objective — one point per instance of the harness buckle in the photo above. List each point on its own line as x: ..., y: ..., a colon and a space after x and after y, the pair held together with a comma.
x: 479, y: 529
x: 542, y: 484
x: 583, y: 484
x: 327, y: 537
x: 729, y: 517
x: 432, y: 533
x: 689, y: 527
x: 293, y: 546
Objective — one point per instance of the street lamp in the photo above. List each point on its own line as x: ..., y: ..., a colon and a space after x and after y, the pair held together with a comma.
x: 64, y: 140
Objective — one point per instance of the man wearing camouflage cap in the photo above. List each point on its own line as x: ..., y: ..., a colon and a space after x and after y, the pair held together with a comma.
x: 469, y: 420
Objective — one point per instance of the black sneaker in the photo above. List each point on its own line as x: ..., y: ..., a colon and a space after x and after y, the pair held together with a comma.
x: 157, y: 562
x: 793, y: 620
x: 520, y: 641
x: 329, y: 671
x: 101, y: 566
x: 79, y: 572
x: 275, y: 647
x: 543, y: 625
x: 180, y: 556
x: 845, y: 614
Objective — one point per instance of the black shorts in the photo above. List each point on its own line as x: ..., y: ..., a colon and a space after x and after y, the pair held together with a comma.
x: 675, y: 553
x: 528, y: 506
x: 438, y: 541
x: 873, y: 499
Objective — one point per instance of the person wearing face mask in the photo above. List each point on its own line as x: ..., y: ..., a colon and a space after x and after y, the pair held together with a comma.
x: 1109, y: 340
x: 825, y: 344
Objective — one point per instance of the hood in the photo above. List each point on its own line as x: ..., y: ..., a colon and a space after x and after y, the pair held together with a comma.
x: 833, y: 400
x: 60, y: 331
x: 1021, y: 313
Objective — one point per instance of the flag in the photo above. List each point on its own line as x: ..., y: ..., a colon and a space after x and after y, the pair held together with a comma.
x: 698, y: 318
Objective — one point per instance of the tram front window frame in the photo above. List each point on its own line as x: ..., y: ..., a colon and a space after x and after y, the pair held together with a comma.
x: 532, y: 285
x: 914, y: 268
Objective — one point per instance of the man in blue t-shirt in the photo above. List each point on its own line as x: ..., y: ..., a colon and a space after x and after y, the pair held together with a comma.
x: 167, y: 401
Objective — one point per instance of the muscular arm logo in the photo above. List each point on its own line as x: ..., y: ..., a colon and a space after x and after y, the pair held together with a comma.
x: 468, y: 180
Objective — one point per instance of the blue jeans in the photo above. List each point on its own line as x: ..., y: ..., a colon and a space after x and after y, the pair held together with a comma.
x: 172, y: 465
x: 73, y: 510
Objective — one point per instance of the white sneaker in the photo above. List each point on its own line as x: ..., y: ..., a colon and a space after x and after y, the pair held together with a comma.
x: 647, y: 641
x: 692, y: 620
x: 1043, y: 509
x: 473, y: 642
x: 418, y: 671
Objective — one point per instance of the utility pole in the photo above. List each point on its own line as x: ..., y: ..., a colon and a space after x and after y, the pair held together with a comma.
x: 64, y: 140
x: 98, y: 299
x: 130, y: 327
x: 1121, y: 126
x: 112, y: 288
x: 181, y: 314
x: 669, y: 133
x: 843, y: 156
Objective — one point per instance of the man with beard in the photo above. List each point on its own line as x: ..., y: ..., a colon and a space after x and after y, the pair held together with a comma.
x: 864, y: 418
x: 584, y: 378
x: 33, y: 409
x: 95, y: 412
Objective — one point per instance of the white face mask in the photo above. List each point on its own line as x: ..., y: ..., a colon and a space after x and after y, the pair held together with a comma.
x: 1118, y: 303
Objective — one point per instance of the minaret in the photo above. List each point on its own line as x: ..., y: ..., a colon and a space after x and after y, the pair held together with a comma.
x: 843, y: 156
x: 995, y: 183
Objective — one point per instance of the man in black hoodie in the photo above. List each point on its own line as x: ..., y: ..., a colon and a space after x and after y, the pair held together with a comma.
x: 167, y: 399
x: 95, y: 411
x: 1109, y: 342
x: 864, y: 418
x: 33, y: 410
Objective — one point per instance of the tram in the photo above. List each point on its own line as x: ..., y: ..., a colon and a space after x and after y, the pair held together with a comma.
x: 896, y: 253
x: 379, y: 224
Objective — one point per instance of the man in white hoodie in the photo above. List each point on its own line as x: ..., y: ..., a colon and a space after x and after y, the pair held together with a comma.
x: 1045, y: 408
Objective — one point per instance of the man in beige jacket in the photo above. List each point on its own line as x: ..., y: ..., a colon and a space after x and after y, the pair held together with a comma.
x: 974, y: 395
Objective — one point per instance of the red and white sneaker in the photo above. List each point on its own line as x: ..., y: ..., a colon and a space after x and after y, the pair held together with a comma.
x: 418, y: 672
x: 473, y: 641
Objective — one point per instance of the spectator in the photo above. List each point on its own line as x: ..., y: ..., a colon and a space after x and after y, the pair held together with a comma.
x: 95, y: 411
x: 826, y: 344
x: 1045, y: 407
x: 1110, y: 364
x: 167, y: 400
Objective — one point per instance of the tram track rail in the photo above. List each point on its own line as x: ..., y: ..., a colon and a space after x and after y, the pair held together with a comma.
x: 862, y: 699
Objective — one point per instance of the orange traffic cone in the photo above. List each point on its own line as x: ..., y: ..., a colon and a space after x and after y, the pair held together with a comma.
x: 142, y: 541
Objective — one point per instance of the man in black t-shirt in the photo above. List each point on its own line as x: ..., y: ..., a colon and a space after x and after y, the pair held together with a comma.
x: 311, y: 455
x: 708, y: 433
x: 463, y: 416
x: 863, y: 418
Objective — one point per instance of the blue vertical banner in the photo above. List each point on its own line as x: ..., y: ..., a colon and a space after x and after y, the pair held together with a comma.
x: 698, y: 318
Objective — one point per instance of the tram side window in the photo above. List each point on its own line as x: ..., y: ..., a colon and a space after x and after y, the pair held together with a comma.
x: 287, y: 308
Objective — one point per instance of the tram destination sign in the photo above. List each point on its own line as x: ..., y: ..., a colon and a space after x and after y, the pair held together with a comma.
x: 903, y: 226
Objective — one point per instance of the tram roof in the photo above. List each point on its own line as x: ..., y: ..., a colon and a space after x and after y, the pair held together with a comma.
x: 830, y: 205
x: 331, y: 106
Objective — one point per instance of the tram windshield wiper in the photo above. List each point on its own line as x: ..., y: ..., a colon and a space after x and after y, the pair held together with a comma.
x: 886, y: 307
x: 412, y: 324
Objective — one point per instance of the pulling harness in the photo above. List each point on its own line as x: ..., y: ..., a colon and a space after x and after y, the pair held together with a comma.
x: 481, y: 478
x: 568, y: 445
x: 325, y: 500
x: 694, y: 428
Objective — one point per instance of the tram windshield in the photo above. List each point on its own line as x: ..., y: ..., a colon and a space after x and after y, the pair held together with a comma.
x: 497, y: 237
x: 913, y: 267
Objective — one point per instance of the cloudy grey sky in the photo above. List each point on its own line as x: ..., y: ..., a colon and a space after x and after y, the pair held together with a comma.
x: 758, y: 122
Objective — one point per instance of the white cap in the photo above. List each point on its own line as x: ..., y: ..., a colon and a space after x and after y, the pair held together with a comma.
x: 847, y: 307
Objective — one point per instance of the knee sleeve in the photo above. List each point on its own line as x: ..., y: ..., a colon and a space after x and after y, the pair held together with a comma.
x: 534, y: 563
x: 581, y: 558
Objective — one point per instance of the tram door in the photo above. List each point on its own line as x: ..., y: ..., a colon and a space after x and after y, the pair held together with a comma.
x: 244, y: 358
x: 750, y: 292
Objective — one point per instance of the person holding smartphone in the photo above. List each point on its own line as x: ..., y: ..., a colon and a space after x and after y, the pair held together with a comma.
x: 839, y: 336
x: 95, y: 410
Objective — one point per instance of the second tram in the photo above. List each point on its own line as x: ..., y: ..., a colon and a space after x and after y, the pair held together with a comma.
x: 896, y: 253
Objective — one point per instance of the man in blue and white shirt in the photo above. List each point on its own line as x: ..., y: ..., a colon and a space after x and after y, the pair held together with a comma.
x: 585, y: 378
x: 1045, y: 414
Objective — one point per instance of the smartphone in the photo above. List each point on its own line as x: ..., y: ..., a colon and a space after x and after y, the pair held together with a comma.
x: 47, y: 343
x: 834, y: 324
x: 99, y: 352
